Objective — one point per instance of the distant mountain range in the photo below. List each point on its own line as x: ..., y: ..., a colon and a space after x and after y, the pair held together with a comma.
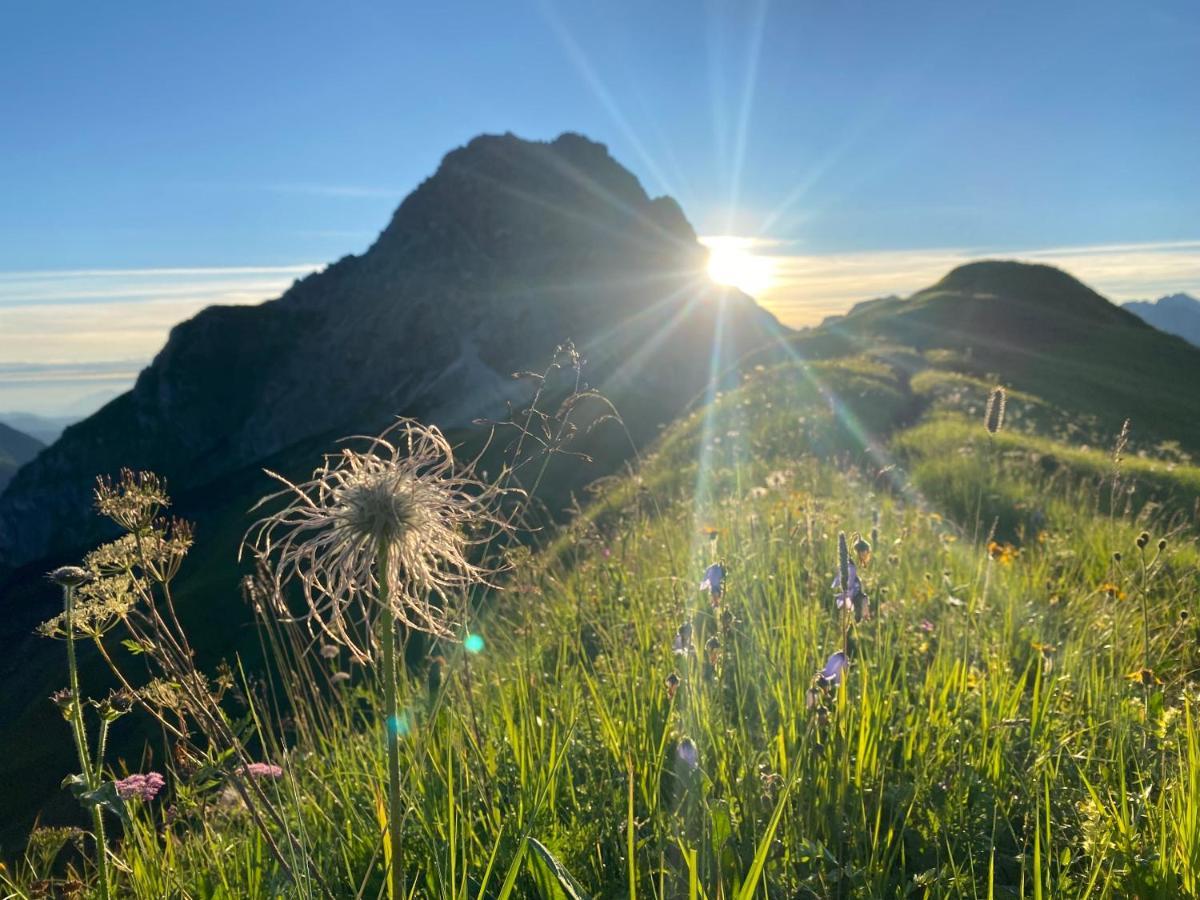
x: 509, y: 249
x: 16, y: 449
x: 45, y: 428
x: 1176, y: 314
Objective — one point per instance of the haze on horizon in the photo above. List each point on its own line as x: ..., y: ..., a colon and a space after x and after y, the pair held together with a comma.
x: 159, y: 159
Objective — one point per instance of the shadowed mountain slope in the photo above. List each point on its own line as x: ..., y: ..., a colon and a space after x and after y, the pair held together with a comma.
x: 509, y: 249
x: 16, y: 449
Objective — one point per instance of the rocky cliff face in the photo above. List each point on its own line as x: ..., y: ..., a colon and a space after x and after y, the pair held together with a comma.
x: 508, y: 249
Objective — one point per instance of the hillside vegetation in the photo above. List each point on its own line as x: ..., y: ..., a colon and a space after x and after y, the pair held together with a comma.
x: 1016, y: 716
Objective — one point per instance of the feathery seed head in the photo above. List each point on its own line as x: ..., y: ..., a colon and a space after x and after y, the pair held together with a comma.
x: 994, y: 417
x: 862, y: 550
x: 68, y: 576
x: 672, y: 685
x: 402, y: 498
x: 1120, y: 446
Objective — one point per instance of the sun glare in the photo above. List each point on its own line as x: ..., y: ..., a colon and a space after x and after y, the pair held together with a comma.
x: 733, y: 262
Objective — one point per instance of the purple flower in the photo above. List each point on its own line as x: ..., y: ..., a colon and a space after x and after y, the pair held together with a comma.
x: 854, y: 585
x: 682, y: 644
x: 714, y: 581
x: 834, y: 667
x: 261, y: 770
x: 687, y: 753
x: 143, y: 787
x: 853, y: 597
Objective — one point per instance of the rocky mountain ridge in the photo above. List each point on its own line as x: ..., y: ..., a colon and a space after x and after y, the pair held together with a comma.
x: 511, y: 247
x: 1175, y: 314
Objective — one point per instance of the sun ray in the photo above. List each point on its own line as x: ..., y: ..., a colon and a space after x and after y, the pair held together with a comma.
x: 733, y: 262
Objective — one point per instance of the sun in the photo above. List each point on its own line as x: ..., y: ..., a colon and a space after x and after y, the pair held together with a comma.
x: 732, y: 262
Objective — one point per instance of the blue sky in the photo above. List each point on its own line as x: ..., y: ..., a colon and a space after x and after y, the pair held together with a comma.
x: 268, y: 136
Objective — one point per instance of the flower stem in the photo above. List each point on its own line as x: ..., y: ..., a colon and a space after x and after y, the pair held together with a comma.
x: 77, y: 726
x: 1145, y: 611
x: 391, y: 724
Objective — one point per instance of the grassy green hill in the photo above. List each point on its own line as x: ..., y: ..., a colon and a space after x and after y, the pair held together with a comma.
x: 1017, y: 718
x: 1040, y: 330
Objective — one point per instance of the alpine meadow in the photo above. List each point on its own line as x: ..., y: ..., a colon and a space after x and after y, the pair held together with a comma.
x: 593, y: 533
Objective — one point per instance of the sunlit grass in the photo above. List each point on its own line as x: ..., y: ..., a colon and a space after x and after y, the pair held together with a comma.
x: 987, y: 741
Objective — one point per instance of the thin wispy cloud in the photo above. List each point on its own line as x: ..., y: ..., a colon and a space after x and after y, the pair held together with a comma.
x: 809, y: 287
x: 67, y: 336
x: 168, y: 271
x: 73, y: 334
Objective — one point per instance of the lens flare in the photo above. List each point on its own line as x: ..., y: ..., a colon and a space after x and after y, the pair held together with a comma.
x: 733, y: 262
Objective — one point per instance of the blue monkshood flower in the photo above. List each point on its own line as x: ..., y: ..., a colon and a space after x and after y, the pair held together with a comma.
x: 682, y: 644
x: 714, y: 581
x: 834, y: 667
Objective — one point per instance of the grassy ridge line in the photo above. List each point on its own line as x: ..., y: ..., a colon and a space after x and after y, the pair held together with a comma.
x: 986, y: 738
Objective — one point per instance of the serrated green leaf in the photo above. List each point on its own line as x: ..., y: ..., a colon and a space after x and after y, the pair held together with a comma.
x: 107, y: 798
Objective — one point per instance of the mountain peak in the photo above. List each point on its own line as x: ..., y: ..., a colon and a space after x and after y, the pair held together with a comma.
x: 1178, y: 301
x: 551, y: 193
x: 1030, y: 293
x: 1005, y: 277
x: 509, y: 249
x: 1177, y: 314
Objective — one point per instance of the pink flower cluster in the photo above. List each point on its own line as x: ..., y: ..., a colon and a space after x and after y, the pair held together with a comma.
x: 261, y: 770
x: 143, y: 787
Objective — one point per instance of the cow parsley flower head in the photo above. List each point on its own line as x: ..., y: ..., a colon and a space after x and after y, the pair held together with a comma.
x: 403, y: 500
